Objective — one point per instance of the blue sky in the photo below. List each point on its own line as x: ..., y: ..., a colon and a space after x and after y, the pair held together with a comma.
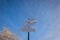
x: 13, y: 13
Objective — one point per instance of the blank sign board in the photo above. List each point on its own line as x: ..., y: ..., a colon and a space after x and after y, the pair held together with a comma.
x: 28, y: 30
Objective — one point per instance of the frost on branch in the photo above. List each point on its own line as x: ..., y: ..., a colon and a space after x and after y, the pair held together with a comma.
x: 7, y: 35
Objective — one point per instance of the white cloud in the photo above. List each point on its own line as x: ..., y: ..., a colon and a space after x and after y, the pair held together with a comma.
x: 55, y: 28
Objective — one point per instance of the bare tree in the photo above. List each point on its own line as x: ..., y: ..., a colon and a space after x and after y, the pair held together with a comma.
x: 7, y: 35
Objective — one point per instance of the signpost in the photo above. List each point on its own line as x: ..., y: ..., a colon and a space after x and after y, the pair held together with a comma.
x: 28, y: 28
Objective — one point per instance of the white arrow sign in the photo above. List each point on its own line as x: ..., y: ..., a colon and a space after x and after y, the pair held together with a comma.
x: 27, y: 27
